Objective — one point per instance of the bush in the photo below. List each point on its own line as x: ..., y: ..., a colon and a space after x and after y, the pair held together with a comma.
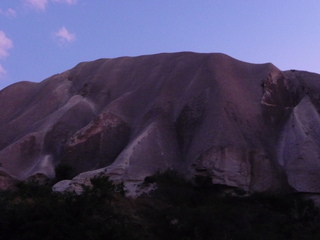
x: 64, y: 171
x: 200, y: 211
x: 33, y: 212
x: 177, y: 209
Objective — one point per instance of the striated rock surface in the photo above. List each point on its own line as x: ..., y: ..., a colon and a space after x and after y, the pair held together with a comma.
x: 245, y: 125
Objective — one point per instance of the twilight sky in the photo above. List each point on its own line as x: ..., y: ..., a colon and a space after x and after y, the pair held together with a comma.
x: 39, y: 38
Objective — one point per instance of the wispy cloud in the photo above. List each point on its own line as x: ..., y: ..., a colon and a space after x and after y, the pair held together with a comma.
x: 2, y: 71
x: 10, y: 13
x: 64, y: 36
x: 41, y: 5
x: 70, y: 2
x: 37, y: 4
x: 5, y: 45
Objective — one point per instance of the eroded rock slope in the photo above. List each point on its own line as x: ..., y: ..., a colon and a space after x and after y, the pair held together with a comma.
x: 246, y: 125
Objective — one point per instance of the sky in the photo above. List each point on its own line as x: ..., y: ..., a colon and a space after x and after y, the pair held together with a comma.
x: 39, y: 38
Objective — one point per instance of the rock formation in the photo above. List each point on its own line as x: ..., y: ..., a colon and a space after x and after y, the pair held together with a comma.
x: 245, y: 125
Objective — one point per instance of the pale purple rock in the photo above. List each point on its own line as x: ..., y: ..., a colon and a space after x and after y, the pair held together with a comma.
x: 244, y: 125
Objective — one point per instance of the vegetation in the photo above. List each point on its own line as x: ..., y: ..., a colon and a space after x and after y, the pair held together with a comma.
x: 64, y: 171
x: 177, y: 209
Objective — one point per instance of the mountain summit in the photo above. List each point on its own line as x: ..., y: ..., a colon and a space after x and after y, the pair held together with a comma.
x: 245, y: 125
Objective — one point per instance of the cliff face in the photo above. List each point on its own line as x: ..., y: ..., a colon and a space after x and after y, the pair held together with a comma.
x: 246, y: 125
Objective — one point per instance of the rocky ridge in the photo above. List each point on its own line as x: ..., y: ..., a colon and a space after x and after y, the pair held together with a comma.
x: 245, y: 125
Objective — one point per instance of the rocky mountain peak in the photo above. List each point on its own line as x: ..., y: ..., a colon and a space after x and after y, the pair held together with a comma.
x: 245, y: 125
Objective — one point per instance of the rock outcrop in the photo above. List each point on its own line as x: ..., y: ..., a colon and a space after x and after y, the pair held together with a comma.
x: 245, y: 125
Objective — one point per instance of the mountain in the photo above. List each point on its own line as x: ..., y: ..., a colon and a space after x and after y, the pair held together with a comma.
x: 244, y: 125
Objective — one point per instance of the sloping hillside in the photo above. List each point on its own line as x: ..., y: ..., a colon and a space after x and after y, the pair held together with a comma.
x: 246, y: 125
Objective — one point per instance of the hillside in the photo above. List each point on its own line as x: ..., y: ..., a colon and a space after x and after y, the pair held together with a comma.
x: 244, y: 125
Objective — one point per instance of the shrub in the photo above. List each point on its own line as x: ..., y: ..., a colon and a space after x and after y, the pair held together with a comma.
x: 63, y: 171
x: 177, y: 209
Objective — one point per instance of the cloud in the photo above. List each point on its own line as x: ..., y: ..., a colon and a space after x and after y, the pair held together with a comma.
x: 2, y: 71
x: 5, y: 45
x: 9, y: 13
x: 70, y: 2
x: 42, y: 4
x: 64, y: 35
x: 37, y: 4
